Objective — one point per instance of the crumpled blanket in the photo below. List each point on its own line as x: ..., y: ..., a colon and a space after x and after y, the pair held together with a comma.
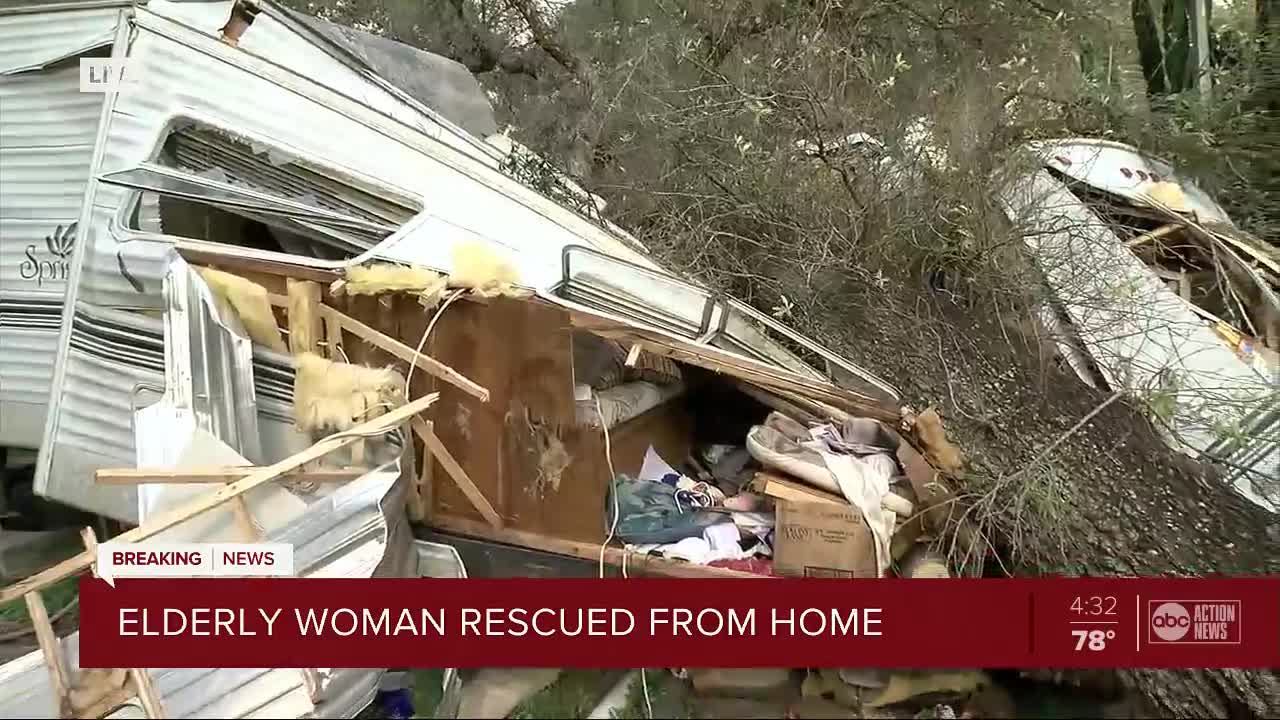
x: 856, y: 460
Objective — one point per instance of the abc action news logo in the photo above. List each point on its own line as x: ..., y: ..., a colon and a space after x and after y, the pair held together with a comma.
x: 1194, y: 622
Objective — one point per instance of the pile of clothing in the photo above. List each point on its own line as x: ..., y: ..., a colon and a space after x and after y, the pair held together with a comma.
x: 716, y: 512
x: 666, y: 512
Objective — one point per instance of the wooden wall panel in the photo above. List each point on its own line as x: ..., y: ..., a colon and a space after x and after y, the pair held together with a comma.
x: 517, y: 448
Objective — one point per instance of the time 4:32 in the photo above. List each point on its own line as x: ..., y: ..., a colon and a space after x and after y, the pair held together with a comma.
x: 1096, y: 605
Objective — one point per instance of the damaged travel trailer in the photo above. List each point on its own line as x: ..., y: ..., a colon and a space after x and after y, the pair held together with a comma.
x: 1149, y: 288
x: 292, y: 268
x: 1157, y: 292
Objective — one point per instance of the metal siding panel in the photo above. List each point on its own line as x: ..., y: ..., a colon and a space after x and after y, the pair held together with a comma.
x: 43, y: 182
x: 47, y: 109
x: 47, y: 129
x: 35, y: 38
x: 200, y: 79
x: 353, y: 523
x: 271, y: 40
x: 22, y: 239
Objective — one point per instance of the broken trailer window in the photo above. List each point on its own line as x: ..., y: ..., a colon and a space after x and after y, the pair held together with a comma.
x: 208, y: 184
x: 652, y: 298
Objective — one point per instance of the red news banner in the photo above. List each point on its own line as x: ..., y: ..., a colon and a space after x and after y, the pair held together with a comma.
x: 643, y: 622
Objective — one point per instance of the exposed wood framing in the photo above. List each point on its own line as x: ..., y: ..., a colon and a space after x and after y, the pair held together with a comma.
x: 406, y: 353
x: 455, y: 471
x: 261, y: 476
x: 188, y: 476
x: 421, y: 495
x: 304, y: 316
x: 50, y: 646
x: 332, y: 336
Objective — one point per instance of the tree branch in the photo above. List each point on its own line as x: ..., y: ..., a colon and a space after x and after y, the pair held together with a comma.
x: 547, y: 39
x: 487, y: 57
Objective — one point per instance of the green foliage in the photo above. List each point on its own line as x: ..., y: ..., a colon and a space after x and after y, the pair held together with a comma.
x: 668, y: 696
x: 56, y: 597
x: 573, y: 695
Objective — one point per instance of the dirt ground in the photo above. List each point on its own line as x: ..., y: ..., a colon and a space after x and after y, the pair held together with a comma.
x: 1111, y: 499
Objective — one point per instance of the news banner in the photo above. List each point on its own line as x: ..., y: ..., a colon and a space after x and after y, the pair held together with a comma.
x: 156, y: 605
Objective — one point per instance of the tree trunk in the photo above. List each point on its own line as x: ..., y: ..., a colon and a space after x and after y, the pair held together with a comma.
x: 1177, y: 45
x: 1149, y: 52
x: 1267, y: 83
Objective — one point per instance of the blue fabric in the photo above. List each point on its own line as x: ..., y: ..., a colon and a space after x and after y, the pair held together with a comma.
x: 648, y: 513
x: 396, y: 704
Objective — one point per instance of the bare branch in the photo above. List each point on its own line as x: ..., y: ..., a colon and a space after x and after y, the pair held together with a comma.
x: 549, y: 40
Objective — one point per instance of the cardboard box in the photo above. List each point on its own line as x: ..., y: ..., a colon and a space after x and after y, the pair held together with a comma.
x: 823, y: 540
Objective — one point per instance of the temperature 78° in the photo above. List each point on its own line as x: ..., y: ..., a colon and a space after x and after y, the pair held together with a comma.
x: 1092, y: 639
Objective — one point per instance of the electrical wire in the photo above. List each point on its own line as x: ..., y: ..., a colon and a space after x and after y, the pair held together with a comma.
x: 613, y: 491
x: 613, y: 527
x: 426, y: 333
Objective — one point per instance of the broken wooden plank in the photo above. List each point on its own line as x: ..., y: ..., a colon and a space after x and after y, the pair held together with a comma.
x: 460, y: 477
x: 633, y: 356
x: 244, y: 521
x: 261, y: 476
x: 782, y: 488
x: 304, y: 316
x: 635, y: 562
x: 49, y: 646
x: 188, y: 476
x: 90, y: 540
x: 47, y: 577
x: 1154, y: 234
x: 404, y: 352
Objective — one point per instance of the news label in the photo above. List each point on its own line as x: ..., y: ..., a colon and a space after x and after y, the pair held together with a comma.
x: 117, y: 560
x: 102, y: 75
x: 1194, y: 622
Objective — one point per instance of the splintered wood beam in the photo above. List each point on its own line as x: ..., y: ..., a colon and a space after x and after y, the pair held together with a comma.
x: 404, y: 352
x: 460, y: 477
x: 260, y: 476
x: 141, y: 476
